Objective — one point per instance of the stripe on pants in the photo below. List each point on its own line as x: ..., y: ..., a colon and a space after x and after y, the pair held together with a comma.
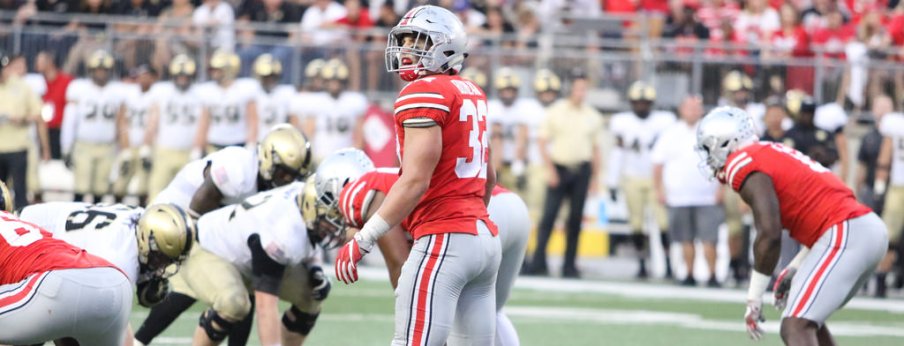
x: 823, y: 270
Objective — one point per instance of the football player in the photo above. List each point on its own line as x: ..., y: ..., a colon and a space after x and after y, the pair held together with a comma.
x: 305, y: 104
x: 226, y: 177
x: 339, y: 117
x: 229, y: 116
x: 272, y: 99
x: 54, y: 291
x: 89, y: 133
x: 443, y: 189
x: 273, y: 240
x: 134, y: 160
x: 475, y: 75
x: 631, y: 170
x: 508, y: 118
x: 843, y: 240
x: 547, y: 86
x: 361, y: 197
x: 172, y: 123
x: 890, y: 182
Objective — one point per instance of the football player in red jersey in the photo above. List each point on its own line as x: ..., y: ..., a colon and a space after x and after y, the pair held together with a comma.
x: 442, y: 190
x: 843, y: 240
x: 50, y: 290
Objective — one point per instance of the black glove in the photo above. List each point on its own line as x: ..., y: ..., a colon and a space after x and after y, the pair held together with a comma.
x: 67, y: 160
x: 320, y: 284
x: 521, y: 182
x: 152, y: 292
x: 613, y: 194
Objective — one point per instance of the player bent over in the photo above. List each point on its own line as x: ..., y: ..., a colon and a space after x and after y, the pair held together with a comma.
x: 786, y: 189
x: 361, y: 197
x: 53, y: 291
x: 442, y: 191
x: 263, y: 241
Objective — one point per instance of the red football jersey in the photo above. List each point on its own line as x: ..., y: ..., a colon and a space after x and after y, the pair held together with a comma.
x: 356, y: 197
x: 454, y: 200
x: 498, y: 190
x: 26, y: 249
x: 811, y: 199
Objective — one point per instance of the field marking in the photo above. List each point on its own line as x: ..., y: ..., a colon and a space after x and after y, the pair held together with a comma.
x: 653, y: 291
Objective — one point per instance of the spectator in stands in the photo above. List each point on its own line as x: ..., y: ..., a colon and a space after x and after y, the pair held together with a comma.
x: 355, y: 23
x: 498, y: 28
x: 216, y: 19
x: 527, y: 28
x: 57, y: 81
x: 273, y: 39
x: 757, y: 22
x: 896, y: 31
x: 317, y: 18
x: 683, y: 27
x: 554, y: 10
x: 138, y: 8
x: 569, y: 145
x: 138, y: 50
x: 89, y: 32
x: 472, y: 19
x: 174, y: 33
x: 868, y: 156
x: 713, y: 13
x: 20, y: 109
x: 874, y: 37
x: 814, y: 18
x: 775, y: 116
x: 831, y: 39
x: 691, y: 198
x: 385, y: 20
x: 790, y: 41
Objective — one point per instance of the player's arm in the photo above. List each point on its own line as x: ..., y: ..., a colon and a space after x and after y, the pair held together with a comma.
x: 883, y: 165
x: 496, y: 144
x: 122, y: 127
x: 251, y: 124
x: 841, y: 150
x: 393, y: 245
x: 358, y: 133
x: 34, y: 115
x: 70, y: 124
x: 309, y: 126
x: 613, y: 165
x: 152, y: 125
x: 759, y: 193
x: 206, y: 198
x: 491, y: 180
x: 201, y: 133
x: 266, y: 278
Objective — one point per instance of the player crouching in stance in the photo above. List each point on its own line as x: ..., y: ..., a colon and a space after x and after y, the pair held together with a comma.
x: 442, y: 190
x: 53, y: 291
x: 365, y: 190
x: 786, y: 189
x: 262, y: 241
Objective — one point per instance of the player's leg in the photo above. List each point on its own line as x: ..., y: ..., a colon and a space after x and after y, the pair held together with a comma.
x: 580, y: 184
x: 506, y: 334
x: 634, y: 199
x: 824, y: 336
x: 166, y: 165
x: 19, y: 174
x: 431, y: 282
x: 662, y: 221
x: 893, y: 216
x: 475, y: 314
x: 681, y: 228
x: 299, y: 320
x: 510, y: 215
x: 34, y: 184
x: 837, y: 266
x: 737, y: 251
x: 554, y: 197
x: 708, y: 220
x: 141, y: 173
x: 176, y: 302
x: 82, y: 163
x: 799, y: 332
x: 219, y: 284
x: 103, y: 311
x: 106, y: 154
x: 536, y: 191
x: 22, y: 308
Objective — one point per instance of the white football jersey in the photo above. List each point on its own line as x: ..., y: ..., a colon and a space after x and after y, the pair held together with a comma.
x: 336, y: 119
x: 637, y: 136
x: 534, y: 114
x: 227, y: 106
x: 138, y: 105
x: 273, y: 214
x: 892, y: 126
x: 95, y: 109
x: 179, y: 114
x: 107, y: 231
x: 232, y: 169
x: 509, y: 118
x: 273, y: 108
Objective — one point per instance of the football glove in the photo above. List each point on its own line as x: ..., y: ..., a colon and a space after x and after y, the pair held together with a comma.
x: 782, y: 286
x: 753, y: 317
x: 613, y: 194
x: 320, y: 284
x: 67, y: 160
x: 152, y: 292
x: 347, y: 260
x: 145, y: 154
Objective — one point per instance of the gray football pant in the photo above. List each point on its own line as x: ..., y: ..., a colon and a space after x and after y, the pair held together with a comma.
x: 91, y: 305
x: 838, y: 265
x: 448, y: 278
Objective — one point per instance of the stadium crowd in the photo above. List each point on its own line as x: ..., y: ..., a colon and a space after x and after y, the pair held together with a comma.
x: 545, y: 154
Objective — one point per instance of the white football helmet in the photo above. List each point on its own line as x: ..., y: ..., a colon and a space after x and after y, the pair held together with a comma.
x: 445, y: 47
x: 721, y: 132
x: 337, y: 170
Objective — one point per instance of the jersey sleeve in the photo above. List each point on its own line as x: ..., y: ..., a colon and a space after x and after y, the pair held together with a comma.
x: 73, y: 91
x: 231, y: 173
x: 355, y: 199
x: 737, y: 169
x: 423, y: 99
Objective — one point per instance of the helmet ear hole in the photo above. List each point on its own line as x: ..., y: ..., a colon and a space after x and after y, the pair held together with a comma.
x: 449, y: 53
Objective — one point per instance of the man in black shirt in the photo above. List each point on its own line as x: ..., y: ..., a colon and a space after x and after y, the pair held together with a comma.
x: 816, y: 143
x: 274, y: 19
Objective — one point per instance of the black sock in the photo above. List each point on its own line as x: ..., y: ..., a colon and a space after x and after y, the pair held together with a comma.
x: 162, y: 315
x: 78, y: 197
x: 118, y: 199
x: 240, y: 332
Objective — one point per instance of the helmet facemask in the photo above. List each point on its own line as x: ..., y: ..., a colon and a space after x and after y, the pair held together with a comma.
x: 155, y: 264
x: 416, y: 46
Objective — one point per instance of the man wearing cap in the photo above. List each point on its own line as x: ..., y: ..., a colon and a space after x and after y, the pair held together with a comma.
x: 20, y: 108
x: 569, y: 145
x: 629, y: 166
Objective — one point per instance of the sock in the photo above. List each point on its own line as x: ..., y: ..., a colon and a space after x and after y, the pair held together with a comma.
x: 162, y: 315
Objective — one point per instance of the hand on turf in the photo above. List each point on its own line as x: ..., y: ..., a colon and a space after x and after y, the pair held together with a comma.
x: 347, y: 260
x: 782, y: 286
x: 753, y: 317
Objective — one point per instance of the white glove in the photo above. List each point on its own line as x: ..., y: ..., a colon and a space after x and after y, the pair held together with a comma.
x: 753, y: 317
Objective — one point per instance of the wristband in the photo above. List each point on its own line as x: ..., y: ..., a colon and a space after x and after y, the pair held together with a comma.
x: 758, y: 284
x: 373, y: 229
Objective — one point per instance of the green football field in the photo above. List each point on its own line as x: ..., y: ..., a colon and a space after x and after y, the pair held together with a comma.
x: 556, y: 312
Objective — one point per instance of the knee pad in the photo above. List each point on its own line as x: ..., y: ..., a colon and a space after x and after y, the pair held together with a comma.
x: 298, y: 321
x: 216, y: 327
x: 235, y: 305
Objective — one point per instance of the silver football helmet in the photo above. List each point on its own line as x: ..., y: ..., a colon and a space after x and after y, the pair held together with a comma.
x: 441, y: 43
x: 720, y: 133
x: 337, y: 170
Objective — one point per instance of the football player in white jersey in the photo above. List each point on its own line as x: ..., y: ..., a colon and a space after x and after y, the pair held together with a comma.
x: 304, y: 105
x: 339, y: 117
x: 229, y: 117
x: 547, y: 88
x: 89, y: 133
x: 890, y: 181
x: 630, y: 167
x: 148, y: 245
x: 134, y: 160
x: 173, y: 123
x: 222, y: 178
x: 272, y: 99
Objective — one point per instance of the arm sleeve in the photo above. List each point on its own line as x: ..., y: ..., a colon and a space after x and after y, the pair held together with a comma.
x: 265, y: 271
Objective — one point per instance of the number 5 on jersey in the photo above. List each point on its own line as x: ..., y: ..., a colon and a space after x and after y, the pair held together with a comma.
x: 477, y: 140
